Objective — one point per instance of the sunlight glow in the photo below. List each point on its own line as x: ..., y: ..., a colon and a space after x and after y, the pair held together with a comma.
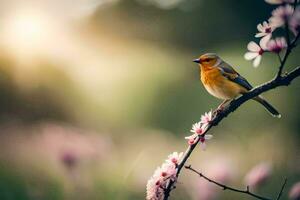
x: 26, y: 31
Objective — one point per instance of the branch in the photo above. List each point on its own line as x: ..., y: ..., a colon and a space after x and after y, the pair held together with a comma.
x: 225, y: 187
x: 284, y: 80
x: 291, y: 45
x: 281, y: 191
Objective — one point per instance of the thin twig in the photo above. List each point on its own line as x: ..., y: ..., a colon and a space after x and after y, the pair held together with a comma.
x: 287, y: 33
x: 225, y: 187
x: 290, y: 46
x: 282, y: 188
x: 279, y: 58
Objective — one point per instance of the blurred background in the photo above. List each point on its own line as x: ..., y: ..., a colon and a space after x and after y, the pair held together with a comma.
x: 96, y: 93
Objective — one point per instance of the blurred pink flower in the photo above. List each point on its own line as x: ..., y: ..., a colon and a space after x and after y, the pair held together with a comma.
x: 279, y: 1
x: 281, y: 15
x: 68, y: 146
x: 258, y: 175
x: 294, y: 193
x: 158, y: 181
x: 276, y: 45
x: 265, y: 31
x: 203, y: 141
x: 255, y: 52
x: 69, y: 159
x: 220, y: 171
x: 295, y: 22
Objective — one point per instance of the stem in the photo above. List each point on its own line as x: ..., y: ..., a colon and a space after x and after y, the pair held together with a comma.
x: 282, y: 188
x: 287, y: 33
x: 225, y: 187
x: 279, y: 58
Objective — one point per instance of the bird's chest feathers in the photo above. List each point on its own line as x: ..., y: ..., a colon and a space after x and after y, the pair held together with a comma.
x: 211, y: 77
x: 218, y: 85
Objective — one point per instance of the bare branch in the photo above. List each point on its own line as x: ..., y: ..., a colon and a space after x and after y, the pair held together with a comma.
x: 225, y: 187
x: 282, y: 188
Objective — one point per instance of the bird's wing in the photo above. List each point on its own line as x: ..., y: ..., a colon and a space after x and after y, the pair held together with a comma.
x: 233, y: 76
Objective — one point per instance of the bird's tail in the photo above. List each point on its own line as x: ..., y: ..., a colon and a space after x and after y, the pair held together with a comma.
x: 268, y: 106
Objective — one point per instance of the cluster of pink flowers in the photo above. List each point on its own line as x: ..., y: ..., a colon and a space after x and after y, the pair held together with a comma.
x: 158, y: 182
x: 285, y: 15
x: 199, y: 129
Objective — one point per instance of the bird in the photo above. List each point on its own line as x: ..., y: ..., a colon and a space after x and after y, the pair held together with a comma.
x: 222, y: 81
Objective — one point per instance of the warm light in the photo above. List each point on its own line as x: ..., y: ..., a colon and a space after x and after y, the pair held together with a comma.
x: 26, y: 31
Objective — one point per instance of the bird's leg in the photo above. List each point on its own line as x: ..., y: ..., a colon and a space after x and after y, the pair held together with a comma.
x: 221, y: 106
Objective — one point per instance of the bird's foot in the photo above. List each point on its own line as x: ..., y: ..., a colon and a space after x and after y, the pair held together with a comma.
x: 221, y: 107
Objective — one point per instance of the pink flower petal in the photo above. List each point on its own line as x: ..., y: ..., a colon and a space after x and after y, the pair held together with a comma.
x: 252, y: 46
x: 250, y: 55
x: 203, y: 145
x: 260, y: 27
x: 208, y: 137
x: 263, y: 42
x: 191, y: 136
x: 256, y: 61
x: 258, y: 35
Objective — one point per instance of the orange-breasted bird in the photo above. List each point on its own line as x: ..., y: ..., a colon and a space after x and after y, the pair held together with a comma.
x: 223, y: 82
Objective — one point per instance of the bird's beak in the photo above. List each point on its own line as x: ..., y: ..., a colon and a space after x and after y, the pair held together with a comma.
x: 196, y: 60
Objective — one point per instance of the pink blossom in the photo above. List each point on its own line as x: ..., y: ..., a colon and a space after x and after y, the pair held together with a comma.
x: 207, y: 117
x: 175, y: 157
x: 169, y: 171
x: 197, y: 128
x: 255, y: 52
x: 277, y: 45
x: 279, y: 1
x: 158, y: 181
x: 294, y: 193
x: 258, y: 174
x: 265, y: 31
x: 154, y: 189
x: 192, y: 141
x: 221, y: 171
x: 281, y: 15
x: 200, y: 127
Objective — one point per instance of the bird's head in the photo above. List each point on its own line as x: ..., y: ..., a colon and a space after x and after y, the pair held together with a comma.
x: 208, y: 60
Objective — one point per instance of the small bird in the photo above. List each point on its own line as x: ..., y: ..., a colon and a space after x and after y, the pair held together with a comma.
x: 223, y: 82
